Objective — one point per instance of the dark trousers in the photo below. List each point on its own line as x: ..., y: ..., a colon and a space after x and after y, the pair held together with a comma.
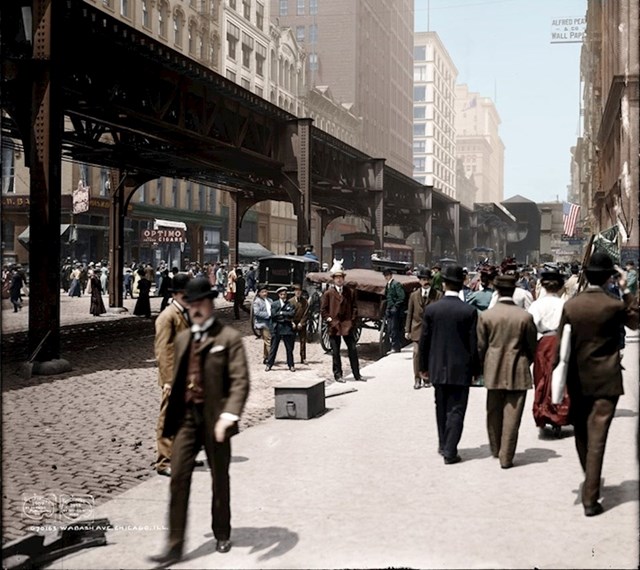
x: 504, y: 414
x: 288, y: 340
x: 591, y: 420
x: 395, y: 334
x: 302, y: 338
x: 351, y: 351
x: 451, y: 406
x: 187, y: 443
x: 238, y: 303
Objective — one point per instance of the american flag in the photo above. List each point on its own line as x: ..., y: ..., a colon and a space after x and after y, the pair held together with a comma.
x: 570, y: 213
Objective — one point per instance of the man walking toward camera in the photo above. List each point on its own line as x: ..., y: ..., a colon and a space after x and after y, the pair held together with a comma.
x: 394, y: 296
x: 449, y: 359
x: 210, y: 388
x: 300, y: 316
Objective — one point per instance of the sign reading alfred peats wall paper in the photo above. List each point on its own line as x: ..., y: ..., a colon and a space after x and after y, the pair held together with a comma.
x: 169, y: 235
x: 568, y: 30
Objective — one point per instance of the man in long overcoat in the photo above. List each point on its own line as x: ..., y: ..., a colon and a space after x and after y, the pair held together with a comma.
x: 338, y: 309
x: 171, y: 321
x: 507, y: 347
x: 449, y: 359
x: 395, y: 298
x: 594, y: 376
x: 418, y: 300
x: 300, y: 317
x: 209, y: 390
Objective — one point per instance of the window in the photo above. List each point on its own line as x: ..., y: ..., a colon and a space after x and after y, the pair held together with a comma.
x: 212, y: 52
x: 189, y: 196
x: 107, y: 3
x: 124, y: 8
x: 231, y: 75
x: 420, y: 73
x: 313, y: 61
x: 163, y: 16
x: 284, y: 7
x: 259, y: 15
x: 419, y: 93
x: 141, y: 193
x: 104, y: 182
x: 178, y: 22
x: 313, y: 33
x: 418, y: 146
x: 313, y: 7
x: 419, y: 164
x: 174, y: 193
x: 146, y: 17
x: 159, y: 192
x: 247, y: 49
x: 213, y: 198
x: 300, y: 8
x: 233, y: 36
x: 246, y: 9
x: 261, y: 55
x: 418, y: 130
x: 232, y: 4
x: 8, y: 171
x: 245, y: 83
x: 300, y: 33
x: 420, y: 53
x: 419, y: 112
x: 259, y: 91
x: 192, y: 37
x: 202, y: 196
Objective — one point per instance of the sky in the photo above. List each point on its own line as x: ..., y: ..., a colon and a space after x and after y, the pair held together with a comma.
x: 502, y: 50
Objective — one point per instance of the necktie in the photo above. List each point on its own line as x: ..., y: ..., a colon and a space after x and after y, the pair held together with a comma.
x: 198, y: 332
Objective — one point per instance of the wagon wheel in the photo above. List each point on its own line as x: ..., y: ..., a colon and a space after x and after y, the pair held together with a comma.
x: 253, y: 322
x: 357, y: 331
x: 385, y: 340
x: 324, y: 336
x: 313, y: 324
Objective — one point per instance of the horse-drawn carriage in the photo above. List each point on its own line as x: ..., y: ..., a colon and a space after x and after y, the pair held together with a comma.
x: 370, y: 287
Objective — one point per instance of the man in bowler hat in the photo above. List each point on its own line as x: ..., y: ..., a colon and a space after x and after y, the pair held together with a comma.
x: 418, y: 301
x: 210, y: 388
x: 594, y: 376
x: 449, y: 359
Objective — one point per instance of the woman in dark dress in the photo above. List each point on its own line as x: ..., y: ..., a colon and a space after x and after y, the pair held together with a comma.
x: 143, y: 305
x: 97, y: 306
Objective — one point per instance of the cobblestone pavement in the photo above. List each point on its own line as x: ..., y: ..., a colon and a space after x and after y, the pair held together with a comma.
x: 92, y: 430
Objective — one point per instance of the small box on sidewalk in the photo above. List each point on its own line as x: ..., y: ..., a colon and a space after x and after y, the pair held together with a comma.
x: 299, y: 399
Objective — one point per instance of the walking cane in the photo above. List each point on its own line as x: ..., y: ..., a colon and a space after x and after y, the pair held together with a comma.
x: 27, y: 367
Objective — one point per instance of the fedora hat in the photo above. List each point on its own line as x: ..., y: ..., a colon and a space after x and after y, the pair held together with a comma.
x: 453, y: 274
x: 199, y: 288
x: 601, y: 263
x: 551, y: 274
x: 179, y: 283
x: 425, y: 274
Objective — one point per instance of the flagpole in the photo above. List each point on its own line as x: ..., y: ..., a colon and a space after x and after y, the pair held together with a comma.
x: 428, y: 15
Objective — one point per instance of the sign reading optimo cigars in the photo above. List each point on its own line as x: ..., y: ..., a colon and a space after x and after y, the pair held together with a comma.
x: 165, y: 235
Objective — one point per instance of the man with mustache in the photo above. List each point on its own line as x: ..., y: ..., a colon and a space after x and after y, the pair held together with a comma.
x: 209, y: 390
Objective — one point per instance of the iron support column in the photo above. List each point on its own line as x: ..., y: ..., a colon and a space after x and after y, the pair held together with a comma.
x: 304, y: 183
x: 116, y: 237
x: 234, y: 225
x: 454, y: 217
x: 428, y: 223
x: 45, y: 142
x: 376, y: 178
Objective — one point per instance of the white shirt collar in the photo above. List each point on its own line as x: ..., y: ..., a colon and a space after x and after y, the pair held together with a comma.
x: 200, y: 331
x: 450, y: 293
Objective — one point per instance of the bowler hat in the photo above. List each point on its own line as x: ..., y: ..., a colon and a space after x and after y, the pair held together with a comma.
x: 601, y: 263
x: 552, y: 275
x: 297, y: 287
x: 281, y: 289
x: 453, y: 274
x: 425, y: 274
x: 505, y: 282
x: 198, y: 288
x: 338, y: 272
x: 179, y: 283
x: 262, y: 287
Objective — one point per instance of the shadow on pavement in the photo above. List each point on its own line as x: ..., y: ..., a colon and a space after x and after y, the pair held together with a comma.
x: 612, y: 495
x: 624, y: 413
x: 535, y: 455
x: 274, y: 539
x: 481, y: 452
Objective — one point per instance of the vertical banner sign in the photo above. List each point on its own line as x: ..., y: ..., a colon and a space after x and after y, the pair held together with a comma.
x: 568, y: 30
x: 81, y: 198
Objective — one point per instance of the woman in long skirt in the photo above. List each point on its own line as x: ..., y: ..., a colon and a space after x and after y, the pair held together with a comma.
x: 546, y: 312
x: 97, y: 305
x: 74, y: 288
x: 143, y: 305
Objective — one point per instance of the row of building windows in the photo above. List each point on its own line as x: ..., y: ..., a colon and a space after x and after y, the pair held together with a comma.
x: 302, y: 37
x: 246, y: 12
x: 301, y: 7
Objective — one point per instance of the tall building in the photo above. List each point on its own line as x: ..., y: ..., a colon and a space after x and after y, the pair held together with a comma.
x: 478, y: 143
x: 434, y: 144
x: 361, y: 49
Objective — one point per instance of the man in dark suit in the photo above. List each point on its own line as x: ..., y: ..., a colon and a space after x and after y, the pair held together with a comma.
x: 209, y: 390
x: 282, y: 318
x: 594, y: 376
x: 418, y: 300
x: 394, y: 297
x: 300, y: 317
x: 449, y: 359
x: 338, y: 310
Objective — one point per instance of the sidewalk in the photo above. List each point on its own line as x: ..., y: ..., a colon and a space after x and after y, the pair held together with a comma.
x: 363, y: 486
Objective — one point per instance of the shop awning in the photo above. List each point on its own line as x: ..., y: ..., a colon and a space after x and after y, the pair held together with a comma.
x: 247, y: 250
x: 23, y: 238
x: 157, y: 224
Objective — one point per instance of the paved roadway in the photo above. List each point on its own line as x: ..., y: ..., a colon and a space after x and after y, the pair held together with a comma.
x: 362, y: 486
